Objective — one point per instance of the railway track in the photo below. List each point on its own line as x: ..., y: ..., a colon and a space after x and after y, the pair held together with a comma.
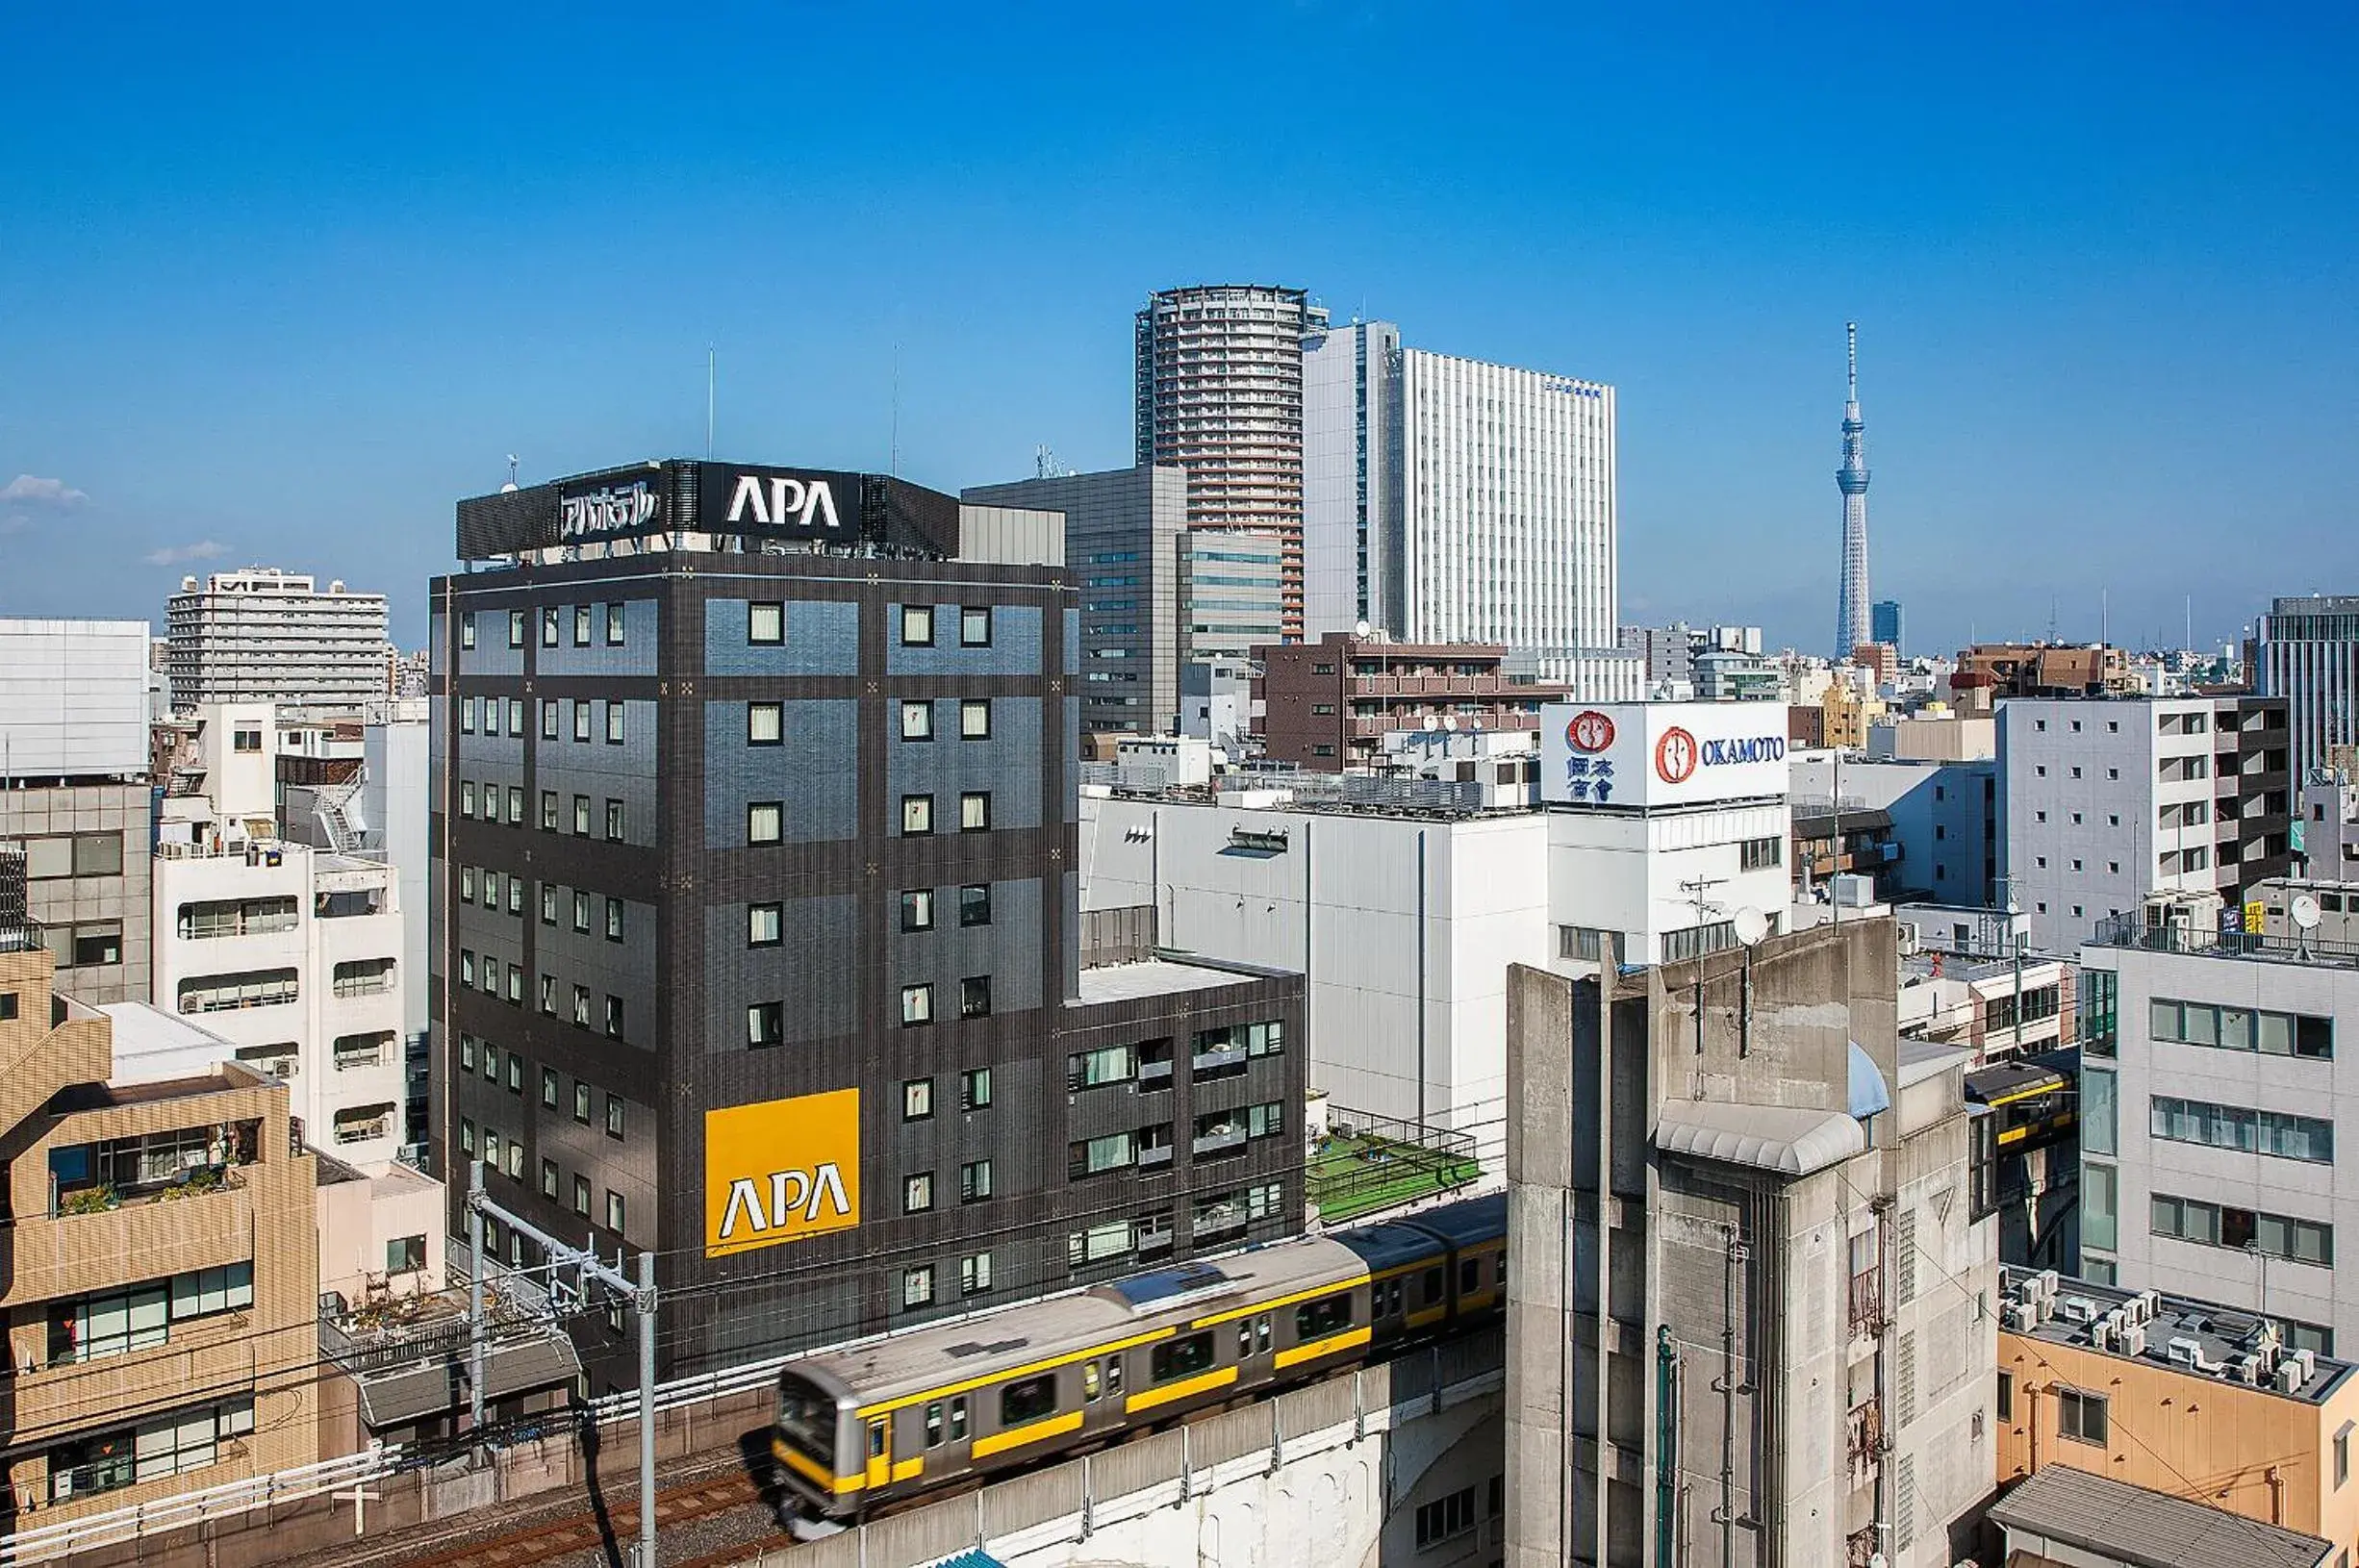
x: 584, y: 1533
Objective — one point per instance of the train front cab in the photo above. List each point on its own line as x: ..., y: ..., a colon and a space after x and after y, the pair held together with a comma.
x: 822, y: 1445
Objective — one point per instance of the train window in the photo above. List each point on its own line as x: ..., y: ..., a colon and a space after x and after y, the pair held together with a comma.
x: 1113, y: 1373
x: 1261, y: 1333
x: 807, y: 1418
x: 1433, y: 1285
x: 1469, y: 1275
x: 875, y: 1440
x: 933, y: 1424
x: 1184, y: 1357
x: 1316, y: 1320
x: 958, y: 1418
x: 1393, y: 1298
x: 1089, y: 1380
x: 1503, y: 1271
x: 1245, y: 1338
x: 1027, y: 1400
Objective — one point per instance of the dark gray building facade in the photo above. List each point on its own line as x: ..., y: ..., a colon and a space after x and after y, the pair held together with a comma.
x: 754, y: 922
x: 1123, y: 529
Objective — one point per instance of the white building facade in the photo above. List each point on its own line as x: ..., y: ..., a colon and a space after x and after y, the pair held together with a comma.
x: 2213, y: 1085
x: 1452, y: 500
x: 266, y: 635
x: 2308, y: 653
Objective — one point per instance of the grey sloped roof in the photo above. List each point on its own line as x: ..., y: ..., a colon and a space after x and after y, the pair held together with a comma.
x: 1789, y: 1140
x: 2119, y: 1523
x: 397, y: 1399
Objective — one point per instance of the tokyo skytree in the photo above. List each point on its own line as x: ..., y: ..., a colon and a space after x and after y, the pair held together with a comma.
x: 1851, y: 627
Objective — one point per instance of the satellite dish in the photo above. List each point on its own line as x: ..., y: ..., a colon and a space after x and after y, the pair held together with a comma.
x: 1361, y: 629
x: 1431, y: 723
x: 2306, y: 912
x: 1751, y: 925
x: 1449, y: 721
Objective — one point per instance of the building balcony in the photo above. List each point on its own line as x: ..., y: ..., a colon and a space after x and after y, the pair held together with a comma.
x: 55, y: 1400
x: 91, y: 1243
x: 1215, y: 1142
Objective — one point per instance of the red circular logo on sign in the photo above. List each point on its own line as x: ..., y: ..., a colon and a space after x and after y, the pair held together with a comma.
x: 1589, y: 731
x: 1676, y: 756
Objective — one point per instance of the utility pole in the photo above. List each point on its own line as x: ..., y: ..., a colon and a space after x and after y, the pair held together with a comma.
x: 640, y: 1294
x: 1696, y: 888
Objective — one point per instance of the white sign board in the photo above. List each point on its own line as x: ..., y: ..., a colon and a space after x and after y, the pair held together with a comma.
x: 1662, y: 753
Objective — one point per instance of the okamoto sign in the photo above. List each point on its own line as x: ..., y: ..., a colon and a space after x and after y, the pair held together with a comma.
x: 733, y: 498
x: 1662, y: 753
x: 780, y: 1171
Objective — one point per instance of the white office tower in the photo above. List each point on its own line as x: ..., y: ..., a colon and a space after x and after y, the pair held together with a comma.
x: 1450, y: 500
x: 2308, y: 653
x: 293, y: 955
x: 263, y: 635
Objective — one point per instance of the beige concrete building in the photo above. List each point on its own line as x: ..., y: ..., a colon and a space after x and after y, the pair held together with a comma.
x: 1750, y: 1319
x: 158, y: 1271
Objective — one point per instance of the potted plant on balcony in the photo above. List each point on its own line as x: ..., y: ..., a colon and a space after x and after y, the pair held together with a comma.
x: 96, y: 1199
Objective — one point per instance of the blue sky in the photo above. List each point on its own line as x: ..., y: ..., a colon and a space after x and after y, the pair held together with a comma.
x: 278, y: 286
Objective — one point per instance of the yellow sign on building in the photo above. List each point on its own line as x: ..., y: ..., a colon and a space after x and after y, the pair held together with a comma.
x: 780, y: 1171
x: 2253, y: 913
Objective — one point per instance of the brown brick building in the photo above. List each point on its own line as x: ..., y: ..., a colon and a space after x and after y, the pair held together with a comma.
x: 159, y: 1268
x: 1327, y: 705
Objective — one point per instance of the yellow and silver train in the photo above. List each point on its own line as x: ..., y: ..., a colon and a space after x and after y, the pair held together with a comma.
x: 881, y: 1420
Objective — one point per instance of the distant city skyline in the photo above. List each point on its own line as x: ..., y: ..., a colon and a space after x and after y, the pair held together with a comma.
x: 277, y: 314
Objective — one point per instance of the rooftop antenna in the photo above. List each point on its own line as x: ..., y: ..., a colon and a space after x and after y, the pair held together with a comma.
x: 511, y: 483
x: 712, y: 369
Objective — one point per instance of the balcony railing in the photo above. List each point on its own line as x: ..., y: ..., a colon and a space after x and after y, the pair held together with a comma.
x: 1218, y: 1141
x: 1867, y: 1302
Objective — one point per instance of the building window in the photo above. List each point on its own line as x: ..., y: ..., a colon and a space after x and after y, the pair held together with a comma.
x: 613, y: 1211
x: 975, y: 719
x: 916, y: 719
x: 917, y: 815
x: 581, y: 1007
x: 548, y: 719
x: 516, y: 628
x: 467, y: 628
x: 765, y: 624
x: 2083, y: 1416
x: 766, y: 821
x: 581, y: 816
x: 613, y: 920
x: 917, y: 1193
x: 917, y: 1099
x: 917, y: 625
x: 1444, y: 1518
x: 615, y: 1116
x: 917, y: 1005
x: 974, y: 1089
x: 764, y: 925
x: 614, y: 1017
x: 975, y: 811
x: 582, y: 910
x: 581, y: 1196
x: 581, y: 1104
x: 1761, y: 854
x: 2240, y: 1028
x: 2280, y: 1133
x: 975, y: 1274
x: 614, y: 625
x: 974, y: 996
x: 765, y: 723
x: 549, y: 1087
x: 975, y: 904
x: 1582, y: 943
x: 918, y: 1286
x: 1100, y: 1064
x: 581, y: 626
x: 614, y: 723
x: 2242, y: 1229
x: 2342, y: 1456
x: 581, y: 718
x: 516, y: 805
x: 975, y: 1181
x: 614, y: 821
x: 918, y: 909
x: 467, y: 797
x: 2006, y: 1396
x: 765, y: 1023
x: 548, y: 626
x: 974, y: 626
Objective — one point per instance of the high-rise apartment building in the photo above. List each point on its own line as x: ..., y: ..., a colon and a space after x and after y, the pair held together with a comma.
x: 74, y: 796
x: 1219, y: 392
x: 1125, y: 532
x: 263, y: 635
x: 2307, y: 652
x: 1450, y: 500
x: 1751, y: 1320
x: 755, y: 918
x: 2104, y: 800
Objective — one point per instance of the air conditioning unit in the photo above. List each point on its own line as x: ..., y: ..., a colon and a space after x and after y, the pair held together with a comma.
x: 2077, y: 1309
x: 1905, y: 934
x: 2289, y: 1377
x: 2149, y: 1303
x: 2203, y: 1363
x: 2049, y: 1279
x: 2101, y: 1335
x: 2249, y: 1369
x: 2307, y: 1359
x: 2186, y: 1352
x: 2022, y: 1317
x: 2134, y: 1340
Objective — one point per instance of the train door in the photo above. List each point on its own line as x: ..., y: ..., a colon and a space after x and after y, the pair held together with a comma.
x: 879, y: 1450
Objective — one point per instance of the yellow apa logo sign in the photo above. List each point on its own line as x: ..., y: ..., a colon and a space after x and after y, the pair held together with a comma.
x: 782, y: 1171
